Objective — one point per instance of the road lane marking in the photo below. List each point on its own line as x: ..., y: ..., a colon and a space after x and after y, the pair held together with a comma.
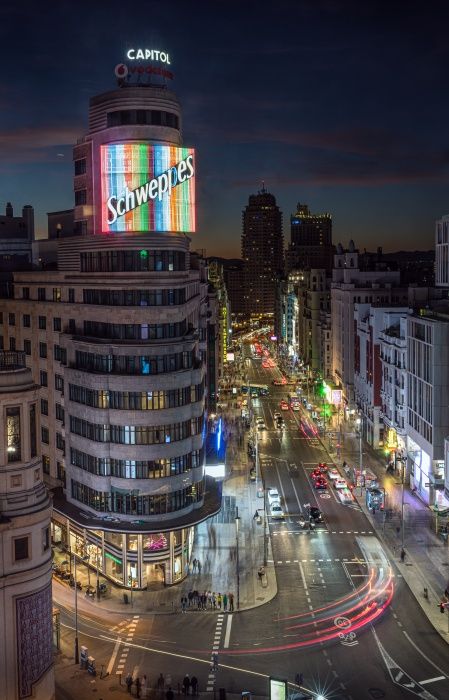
x: 422, y: 653
x: 433, y: 680
x: 113, y: 656
x: 228, y: 631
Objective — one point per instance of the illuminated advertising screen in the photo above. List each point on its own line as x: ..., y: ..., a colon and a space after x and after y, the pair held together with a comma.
x: 147, y: 187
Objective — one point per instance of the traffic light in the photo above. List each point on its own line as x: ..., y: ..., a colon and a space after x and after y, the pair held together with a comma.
x: 442, y: 608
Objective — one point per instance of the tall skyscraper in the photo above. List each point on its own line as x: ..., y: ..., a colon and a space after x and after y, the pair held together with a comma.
x: 117, y: 338
x: 263, y: 254
x: 310, y: 244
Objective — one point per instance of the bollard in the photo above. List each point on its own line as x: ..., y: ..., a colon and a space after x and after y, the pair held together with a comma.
x: 426, y: 593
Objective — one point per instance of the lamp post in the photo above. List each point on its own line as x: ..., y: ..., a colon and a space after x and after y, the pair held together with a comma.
x: 265, y: 525
x: 77, y: 656
x: 237, y: 558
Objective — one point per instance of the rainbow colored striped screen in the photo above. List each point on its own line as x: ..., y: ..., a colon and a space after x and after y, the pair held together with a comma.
x: 147, y: 187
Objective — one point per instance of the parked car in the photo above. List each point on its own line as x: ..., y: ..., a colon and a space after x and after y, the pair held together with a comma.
x: 340, y: 483
x: 276, y: 510
x: 333, y: 473
x: 273, y: 496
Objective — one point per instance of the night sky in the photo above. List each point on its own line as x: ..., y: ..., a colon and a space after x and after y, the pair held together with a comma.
x: 342, y: 105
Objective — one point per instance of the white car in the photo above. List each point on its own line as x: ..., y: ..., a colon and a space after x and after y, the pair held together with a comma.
x: 276, y: 510
x: 261, y: 426
x: 340, y: 483
x: 259, y: 419
x: 333, y: 473
x: 273, y: 496
x: 276, y: 415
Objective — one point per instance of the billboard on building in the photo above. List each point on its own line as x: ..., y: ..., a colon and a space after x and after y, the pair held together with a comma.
x: 147, y: 187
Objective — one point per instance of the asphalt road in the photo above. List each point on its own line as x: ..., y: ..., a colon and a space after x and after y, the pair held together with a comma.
x: 400, y: 656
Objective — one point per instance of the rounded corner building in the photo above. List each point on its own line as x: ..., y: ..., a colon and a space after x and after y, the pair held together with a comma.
x: 124, y: 324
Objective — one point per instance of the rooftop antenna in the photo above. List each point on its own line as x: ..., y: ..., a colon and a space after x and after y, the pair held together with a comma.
x: 263, y: 190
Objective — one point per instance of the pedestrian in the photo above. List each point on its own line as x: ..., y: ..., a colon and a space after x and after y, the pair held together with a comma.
x: 161, y: 682
x: 194, y: 563
x: 189, y: 597
x: 219, y: 601
x: 225, y: 602
x: 182, y: 604
x: 214, y: 600
x: 194, y: 684
x: 256, y: 515
x: 198, y: 563
x: 209, y: 599
x: 186, y: 684
x: 169, y: 695
x: 403, y: 555
x: 231, y: 602
x: 144, y: 687
x: 138, y: 685
x: 129, y: 682
x: 260, y: 573
x: 299, y: 679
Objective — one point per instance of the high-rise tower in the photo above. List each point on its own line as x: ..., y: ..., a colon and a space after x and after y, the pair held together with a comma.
x: 310, y: 244
x: 262, y: 253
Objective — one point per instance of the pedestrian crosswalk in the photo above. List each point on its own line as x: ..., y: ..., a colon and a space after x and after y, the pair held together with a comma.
x: 127, y: 630
x: 214, y: 656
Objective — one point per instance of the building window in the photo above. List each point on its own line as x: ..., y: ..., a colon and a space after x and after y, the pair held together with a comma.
x: 80, y: 166
x: 60, y: 442
x: 21, y: 548
x: 43, y: 378
x: 60, y: 354
x: 37, y: 475
x: 42, y: 323
x: 56, y: 324
x: 56, y: 293
x: 25, y: 292
x: 42, y: 349
x: 16, y: 481
x: 60, y: 471
x: 27, y: 347
x: 46, y: 539
x: 33, y: 436
x: 45, y: 437
x: 26, y: 320
x: 80, y: 197
x: 59, y: 383
x: 12, y: 344
x: 13, y: 447
x: 11, y: 319
x: 41, y: 295
x: 44, y: 407
x: 46, y: 464
x: 71, y: 296
x: 1, y: 342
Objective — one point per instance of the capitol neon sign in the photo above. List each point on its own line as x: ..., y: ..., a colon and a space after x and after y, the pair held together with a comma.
x: 148, y: 55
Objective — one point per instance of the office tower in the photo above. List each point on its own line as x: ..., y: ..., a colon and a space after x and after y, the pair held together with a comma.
x: 263, y: 254
x: 117, y: 338
x: 26, y: 637
x: 310, y: 244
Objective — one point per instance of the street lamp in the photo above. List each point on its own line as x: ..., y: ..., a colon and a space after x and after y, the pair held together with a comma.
x: 358, y: 423
x: 77, y: 657
x: 237, y: 558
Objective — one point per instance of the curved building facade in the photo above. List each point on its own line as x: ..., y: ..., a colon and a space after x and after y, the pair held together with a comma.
x: 120, y: 347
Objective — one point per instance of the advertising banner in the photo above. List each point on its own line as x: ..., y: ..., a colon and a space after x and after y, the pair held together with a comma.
x: 147, y: 187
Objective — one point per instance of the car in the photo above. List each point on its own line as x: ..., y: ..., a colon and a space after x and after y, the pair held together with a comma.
x: 322, y: 466
x: 316, y: 514
x: 320, y: 483
x: 284, y: 405
x: 276, y: 415
x: 316, y: 474
x: 261, y: 426
x: 273, y: 496
x: 333, y: 473
x: 280, y: 424
x: 340, y: 483
x: 276, y: 510
x: 259, y: 419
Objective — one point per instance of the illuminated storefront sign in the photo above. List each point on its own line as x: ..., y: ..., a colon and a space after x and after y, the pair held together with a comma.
x: 147, y: 187
x: 148, y: 55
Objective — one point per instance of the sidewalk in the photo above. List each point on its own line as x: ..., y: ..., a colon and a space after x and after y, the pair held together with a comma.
x: 426, y: 563
x: 215, y: 546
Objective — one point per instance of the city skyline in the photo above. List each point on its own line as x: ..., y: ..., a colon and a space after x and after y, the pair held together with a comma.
x: 349, y: 120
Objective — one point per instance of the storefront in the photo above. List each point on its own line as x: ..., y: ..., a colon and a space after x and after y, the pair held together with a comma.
x: 419, y: 466
x: 129, y: 560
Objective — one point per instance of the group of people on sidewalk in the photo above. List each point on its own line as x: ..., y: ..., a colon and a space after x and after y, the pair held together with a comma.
x: 208, y: 600
x: 140, y: 687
